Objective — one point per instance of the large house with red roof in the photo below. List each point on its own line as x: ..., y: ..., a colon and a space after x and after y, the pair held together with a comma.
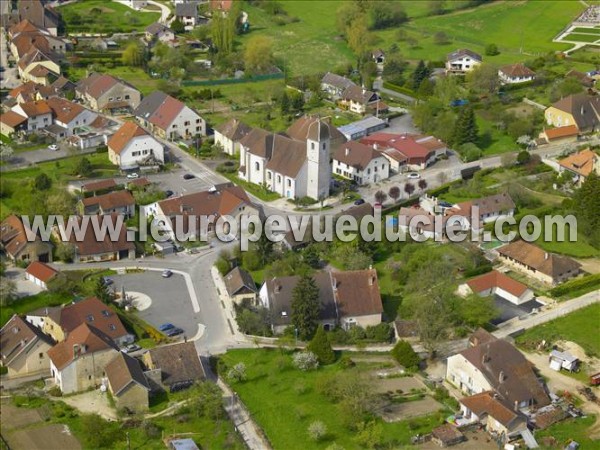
x: 132, y: 146
x: 361, y: 163
x: 40, y: 274
x: 580, y: 165
x: 169, y: 118
x: 407, y: 151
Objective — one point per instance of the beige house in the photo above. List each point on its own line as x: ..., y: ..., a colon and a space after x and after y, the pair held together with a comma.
x: 104, y: 92
x: 580, y: 165
x: 497, y: 283
x: 23, y: 348
x: 79, y: 362
x: 240, y: 286
x: 229, y: 134
x: 16, y: 246
x: 581, y: 110
x: 132, y: 146
x: 127, y: 383
x: 495, y: 365
x: 498, y: 418
x: 347, y: 299
x: 535, y: 262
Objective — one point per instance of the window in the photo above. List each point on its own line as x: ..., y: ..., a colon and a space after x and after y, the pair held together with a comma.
x: 110, y: 99
x: 90, y: 318
x: 186, y: 123
x: 112, y: 327
x: 312, y: 145
x: 89, y: 377
x: 41, y: 355
x: 257, y: 166
x: 279, y: 178
x: 105, y: 313
x: 197, y: 120
x: 269, y: 175
x: 127, y: 97
x: 368, y: 171
x: 324, y: 145
x: 289, y: 183
x: 198, y: 129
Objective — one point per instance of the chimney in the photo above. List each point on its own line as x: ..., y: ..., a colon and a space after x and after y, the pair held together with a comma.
x: 546, y: 256
x: 75, y: 350
x: 371, y: 280
x: 347, y: 151
x: 516, y: 405
x: 375, y: 146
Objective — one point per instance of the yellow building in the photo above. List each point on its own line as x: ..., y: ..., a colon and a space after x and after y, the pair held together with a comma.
x: 581, y: 110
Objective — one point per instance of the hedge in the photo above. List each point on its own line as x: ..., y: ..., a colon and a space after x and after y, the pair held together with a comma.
x: 587, y: 283
x: 400, y: 89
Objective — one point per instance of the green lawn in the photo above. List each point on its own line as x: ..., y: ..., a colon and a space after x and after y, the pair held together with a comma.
x: 506, y: 24
x: 579, y: 37
x: 491, y: 140
x: 568, y: 430
x: 308, y: 46
x: 579, y: 326
x: 284, y: 401
x: 101, y: 16
x: 586, y: 30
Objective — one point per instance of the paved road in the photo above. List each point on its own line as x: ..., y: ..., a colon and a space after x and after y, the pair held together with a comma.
x: 378, y: 86
x: 8, y: 78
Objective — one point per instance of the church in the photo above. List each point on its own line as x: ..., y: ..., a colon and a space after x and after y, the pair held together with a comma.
x: 295, y: 164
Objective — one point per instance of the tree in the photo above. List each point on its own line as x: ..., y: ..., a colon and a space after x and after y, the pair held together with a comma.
x: 358, y: 36
x: 305, y: 307
x: 8, y: 291
x: 258, y: 56
x: 264, y: 248
x: 420, y: 73
x: 436, y: 7
x: 65, y: 251
x: 306, y: 361
x: 84, y: 167
x: 177, y: 26
x: 369, y: 434
x: 491, y: 50
x: 101, y: 290
x: 317, y: 430
x: 207, y: 400
x: 466, y: 127
x: 237, y: 373
x: 586, y: 207
x: 426, y: 88
x: 394, y: 193
x: 422, y: 184
x: 523, y: 157
x: 405, y: 355
x: 284, y: 103
x: 42, y: 182
x: 222, y: 266
x: 222, y: 30
x: 61, y: 203
x: 321, y: 347
x: 441, y: 38
x: 409, y: 188
x: 484, y: 79
x: 469, y: 152
x: 386, y: 14
x: 393, y: 70
x: 476, y: 311
x: 380, y: 197
x: 133, y: 55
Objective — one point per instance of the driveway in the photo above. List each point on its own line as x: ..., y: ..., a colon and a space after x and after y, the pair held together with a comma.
x: 171, y: 300
x: 92, y: 402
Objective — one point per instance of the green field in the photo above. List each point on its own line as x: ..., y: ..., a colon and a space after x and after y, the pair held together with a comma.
x: 101, y: 16
x: 579, y: 37
x: 284, y: 401
x: 586, y: 30
x: 580, y: 327
x: 506, y: 24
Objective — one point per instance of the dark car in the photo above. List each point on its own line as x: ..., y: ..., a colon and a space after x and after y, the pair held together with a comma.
x: 360, y: 201
x: 188, y: 176
x: 169, y: 193
x: 166, y: 326
x: 173, y: 332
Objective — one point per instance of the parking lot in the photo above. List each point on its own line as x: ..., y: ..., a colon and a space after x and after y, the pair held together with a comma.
x: 508, y: 310
x: 170, y: 299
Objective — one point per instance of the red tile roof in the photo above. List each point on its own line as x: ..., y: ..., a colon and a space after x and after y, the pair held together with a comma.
x: 407, y: 144
x: 517, y: 70
x: 582, y: 162
x: 111, y: 200
x: 37, y: 108
x: 82, y: 340
x: 41, y: 271
x: 16, y: 336
x: 495, y: 279
x: 485, y: 404
x: 124, y: 135
x: 12, y: 119
x: 561, y: 132
x: 64, y: 110
x: 93, y: 312
x: 356, y: 155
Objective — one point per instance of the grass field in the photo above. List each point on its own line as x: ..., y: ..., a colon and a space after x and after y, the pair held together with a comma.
x: 284, y: 401
x: 586, y: 30
x: 506, y: 24
x: 568, y: 430
x: 580, y: 37
x: 579, y: 326
x: 101, y: 16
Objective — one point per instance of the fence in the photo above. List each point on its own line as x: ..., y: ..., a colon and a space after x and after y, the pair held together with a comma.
x: 272, y: 76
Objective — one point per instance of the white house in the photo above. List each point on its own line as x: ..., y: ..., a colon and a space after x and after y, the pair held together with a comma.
x: 159, y: 32
x: 40, y: 274
x: 132, y: 146
x: 515, y: 73
x: 497, y: 283
x: 38, y: 114
x: 229, y: 134
x: 69, y: 116
x: 187, y: 13
x: 169, y: 118
x: 462, y: 61
x: 361, y: 163
x: 293, y: 166
x: 495, y: 365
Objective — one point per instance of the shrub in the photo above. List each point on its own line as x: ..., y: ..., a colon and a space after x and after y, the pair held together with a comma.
x: 491, y: 50
x: 346, y: 362
x: 320, y: 346
x: 317, y: 430
x: 306, y: 361
x: 222, y: 266
x: 380, y: 333
x: 405, y: 355
x: 237, y: 373
x: 590, y: 281
x: 55, y: 391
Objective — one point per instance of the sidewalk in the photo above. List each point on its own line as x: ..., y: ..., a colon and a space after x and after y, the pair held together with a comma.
x: 239, y: 415
x: 228, y: 306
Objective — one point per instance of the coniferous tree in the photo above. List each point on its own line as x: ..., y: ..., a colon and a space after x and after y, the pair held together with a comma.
x: 421, y: 73
x: 586, y: 206
x: 466, y: 127
x: 305, y: 307
x: 321, y: 347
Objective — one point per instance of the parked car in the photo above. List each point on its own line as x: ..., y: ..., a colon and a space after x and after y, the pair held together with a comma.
x: 189, y: 176
x: 166, y: 326
x: 132, y: 348
x: 169, y: 193
x: 53, y: 147
x: 107, y: 281
x: 413, y: 176
x: 173, y: 332
x: 360, y: 201
x: 133, y: 176
x: 166, y: 273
